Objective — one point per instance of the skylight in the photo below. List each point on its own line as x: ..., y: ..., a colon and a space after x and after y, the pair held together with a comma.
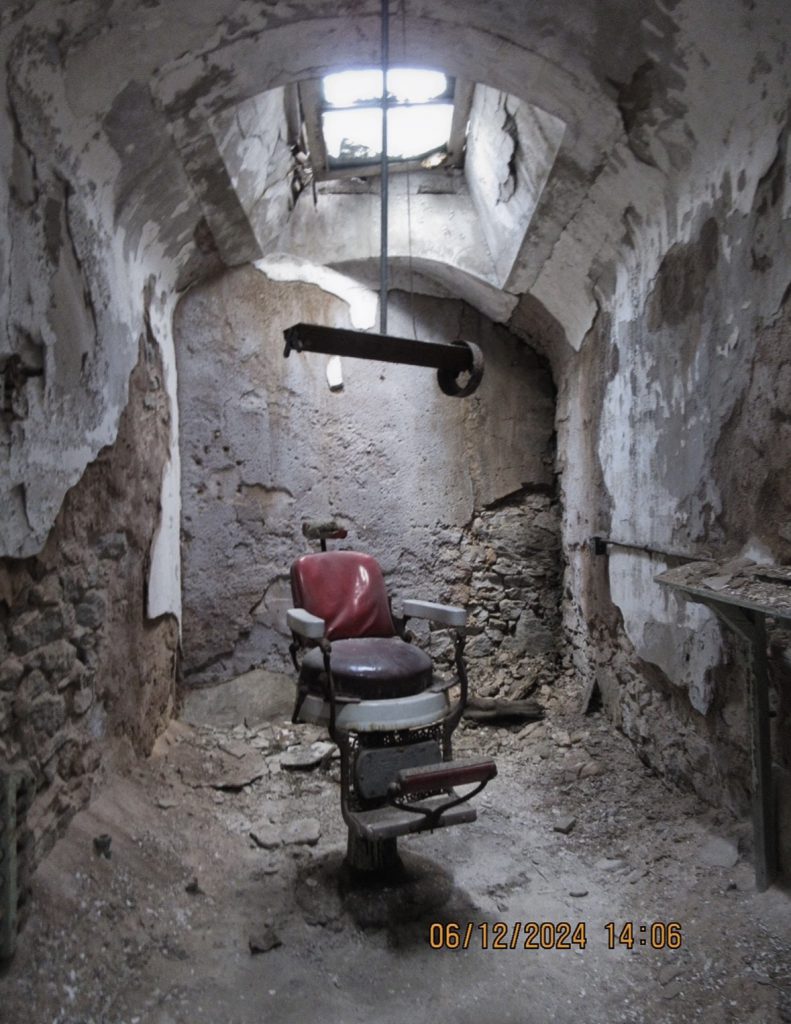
x: 404, y: 85
x: 413, y: 133
x: 344, y: 118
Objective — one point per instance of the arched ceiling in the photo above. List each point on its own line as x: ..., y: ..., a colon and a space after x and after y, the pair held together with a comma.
x: 117, y: 195
x: 147, y: 73
x: 124, y: 80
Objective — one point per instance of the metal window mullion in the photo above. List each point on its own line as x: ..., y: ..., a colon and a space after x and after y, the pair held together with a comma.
x: 377, y: 104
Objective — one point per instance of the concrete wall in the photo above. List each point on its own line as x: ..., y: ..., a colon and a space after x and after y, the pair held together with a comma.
x: 409, y: 471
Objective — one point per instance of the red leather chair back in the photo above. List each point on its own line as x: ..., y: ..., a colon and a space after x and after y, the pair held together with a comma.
x: 347, y: 590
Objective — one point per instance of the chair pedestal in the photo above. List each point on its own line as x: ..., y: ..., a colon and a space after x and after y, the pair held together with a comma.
x: 371, y: 855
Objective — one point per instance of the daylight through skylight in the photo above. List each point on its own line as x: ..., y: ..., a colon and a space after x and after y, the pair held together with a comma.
x: 419, y: 116
x: 412, y: 132
x: 404, y: 85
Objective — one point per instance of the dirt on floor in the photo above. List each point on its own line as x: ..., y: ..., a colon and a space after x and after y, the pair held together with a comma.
x: 205, y: 885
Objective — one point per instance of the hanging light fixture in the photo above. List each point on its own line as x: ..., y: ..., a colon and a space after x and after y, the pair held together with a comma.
x: 453, y: 362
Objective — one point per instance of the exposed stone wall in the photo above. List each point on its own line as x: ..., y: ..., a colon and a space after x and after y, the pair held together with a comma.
x: 451, y: 495
x: 80, y: 664
x: 673, y: 440
x: 505, y: 567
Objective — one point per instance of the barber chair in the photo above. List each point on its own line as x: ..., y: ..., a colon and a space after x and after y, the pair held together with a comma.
x: 362, y: 677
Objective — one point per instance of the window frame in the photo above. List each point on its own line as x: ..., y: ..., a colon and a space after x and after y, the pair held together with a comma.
x: 313, y: 105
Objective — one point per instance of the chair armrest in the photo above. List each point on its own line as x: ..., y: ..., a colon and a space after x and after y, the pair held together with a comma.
x: 305, y: 624
x: 445, y: 614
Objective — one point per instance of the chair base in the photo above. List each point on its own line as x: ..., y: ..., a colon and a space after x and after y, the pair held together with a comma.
x: 415, y: 712
x: 374, y: 856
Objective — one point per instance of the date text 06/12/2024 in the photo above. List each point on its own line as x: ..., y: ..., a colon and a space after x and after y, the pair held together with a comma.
x: 551, y: 935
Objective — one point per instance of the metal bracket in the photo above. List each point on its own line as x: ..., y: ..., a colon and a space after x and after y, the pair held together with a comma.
x: 450, y: 361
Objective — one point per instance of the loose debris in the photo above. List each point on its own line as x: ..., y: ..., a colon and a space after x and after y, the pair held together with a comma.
x: 556, y: 838
x: 264, y: 940
x: 565, y: 824
x: 497, y: 709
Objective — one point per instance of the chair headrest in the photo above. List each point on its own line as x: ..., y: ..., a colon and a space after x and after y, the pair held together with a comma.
x: 347, y: 590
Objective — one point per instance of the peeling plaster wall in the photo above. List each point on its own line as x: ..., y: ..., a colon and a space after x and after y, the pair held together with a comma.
x: 511, y: 147
x: 79, y: 257
x: 81, y: 662
x: 93, y: 198
x: 254, y: 141
x: 417, y: 477
x: 672, y: 415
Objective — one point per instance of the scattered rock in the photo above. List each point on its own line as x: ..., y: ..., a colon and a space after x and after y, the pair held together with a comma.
x: 303, y: 832
x: 266, y: 836
x: 720, y: 852
x: 610, y: 864
x: 193, y: 888
x: 300, y: 759
x: 669, y: 972
x: 166, y: 803
x: 35, y: 629
x: 672, y: 990
x: 578, y: 891
x: 329, y: 751
x: 218, y: 769
x: 564, y: 824
x: 237, y: 750
x: 264, y: 940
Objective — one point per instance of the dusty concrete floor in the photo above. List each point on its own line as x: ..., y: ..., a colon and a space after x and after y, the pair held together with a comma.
x: 160, y: 932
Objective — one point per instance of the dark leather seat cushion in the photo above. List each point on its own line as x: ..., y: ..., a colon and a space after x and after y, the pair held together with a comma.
x: 372, y: 668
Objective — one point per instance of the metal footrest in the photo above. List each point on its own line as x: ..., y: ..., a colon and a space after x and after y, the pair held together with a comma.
x: 389, y: 822
x: 436, y: 778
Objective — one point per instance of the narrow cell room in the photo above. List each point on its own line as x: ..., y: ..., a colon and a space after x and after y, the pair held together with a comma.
x: 395, y: 530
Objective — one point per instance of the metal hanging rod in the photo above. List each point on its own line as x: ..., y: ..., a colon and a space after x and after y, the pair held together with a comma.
x: 451, y: 361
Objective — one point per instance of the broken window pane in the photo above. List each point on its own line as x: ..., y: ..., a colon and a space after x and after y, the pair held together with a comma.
x: 353, y: 136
